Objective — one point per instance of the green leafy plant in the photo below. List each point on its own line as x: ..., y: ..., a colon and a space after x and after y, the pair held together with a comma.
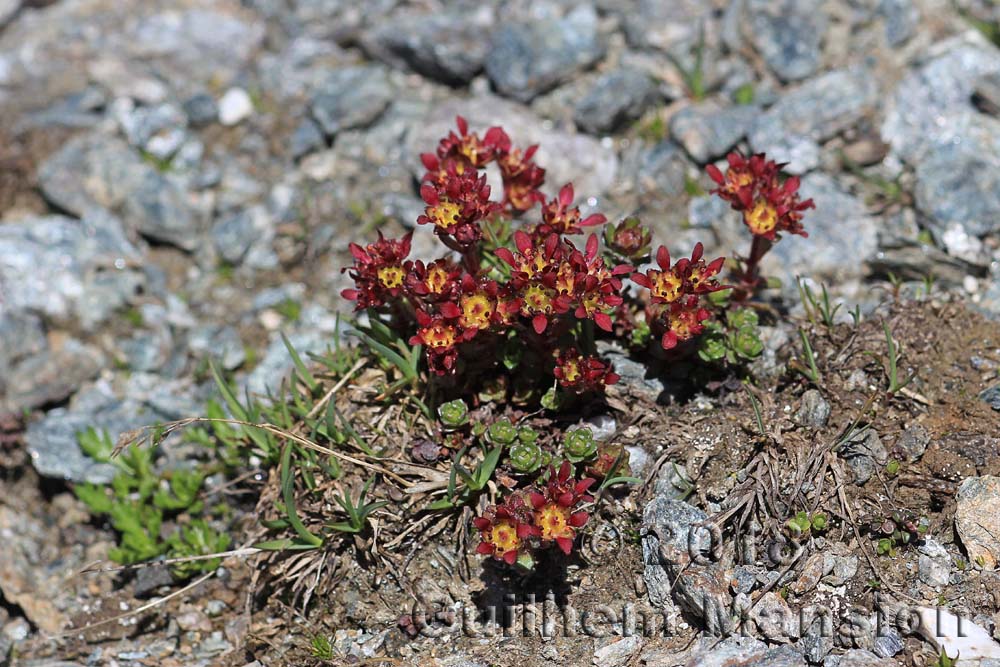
x: 140, y: 500
x: 897, y: 530
x: 891, y: 364
x: 579, y: 445
x: 357, y: 511
x: 454, y: 414
x: 804, y: 524
x: 818, y: 307
x: 735, y: 340
x: 808, y: 370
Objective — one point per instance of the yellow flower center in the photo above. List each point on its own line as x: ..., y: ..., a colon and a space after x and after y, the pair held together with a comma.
x: 444, y: 214
x: 437, y: 280
x: 571, y: 371
x: 476, y: 311
x: 553, y: 521
x: 566, y: 279
x: 537, y: 299
x: 503, y: 537
x: 739, y: 179
x: 666, y: 286
x: 438, y: 335
x: 390, y: 276
x: 762, y: 218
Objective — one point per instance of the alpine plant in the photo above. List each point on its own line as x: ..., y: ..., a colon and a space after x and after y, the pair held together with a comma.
x: 520, y: 269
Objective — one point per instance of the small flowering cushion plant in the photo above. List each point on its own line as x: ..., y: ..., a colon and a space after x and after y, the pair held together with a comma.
x: 769, y: 205
x: 515, y: 295
x: 534, y: 519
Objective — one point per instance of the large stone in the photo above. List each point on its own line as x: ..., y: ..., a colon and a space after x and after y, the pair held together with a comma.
x: 527, y: 59
x: 351, y: 97
x: 977, y: 519
x: 145, y: 400
x: 792, y: 129
x: 566, y: 156
x: 95, y: 171
x: 616, y: 98
x: 788, y: 34
x: 49, y: 376
x: 932, y: 106
x: 665, y: 26
x: 450, y: 47
x: 959, y: 183
x: 70, y: 271
x: 708, y: 131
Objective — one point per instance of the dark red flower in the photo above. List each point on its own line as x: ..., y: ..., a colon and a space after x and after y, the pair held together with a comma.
x: 581, y: 373
x: 754, y: 187
x: 558, y: 216
x: 379, y: 271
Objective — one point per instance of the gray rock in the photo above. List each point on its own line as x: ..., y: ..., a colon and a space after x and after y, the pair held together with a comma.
x: 960, y: 183
x: 221, y: 343
x: 235, y: 106
x: 52, y: 442
x: 351, y: 97
x: 617, y: 651
x: 901, y: 18
x: 813, y: 411
x: 673, y: 481
x: 678, y: 568
x: 992, y: 396
x: 888, y: 643
x: 934, y: 564
x: 158, y: 130
x: 652, y: 24
x: 450, y: 47
x: 147, y: 351
x: 977, y: 519
x: 634, y: 375
x: 788, y: 34
x: 616, y: 98
x: 49, y: 376
x: 792, y: 129
x: 857, y: 657
x: 744, y: 651
x: 774, y: 619
x: 201, y: 109
x: 708, y: 131
x: 307, y: 138
x: 23, y: 335
x: 658, y: 171
x: 828, y: 254
x: 313, y: 337
x: 566, y: 156
x: 527, y: 59
x: 233, y: 235
x: 932, y: 106
x: 149, y: 579
x: 77, y: 271
x: 92, y: 171
x: 863, y: 451
x: 913, y: 442
x: 817, y: 641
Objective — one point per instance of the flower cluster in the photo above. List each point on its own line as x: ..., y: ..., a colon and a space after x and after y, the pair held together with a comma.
x: 675, y: 294
x: 753, y: 186
x: 533, y: 519
x: 550, y: 276
x: 580, y: 373
x: 532, y: 281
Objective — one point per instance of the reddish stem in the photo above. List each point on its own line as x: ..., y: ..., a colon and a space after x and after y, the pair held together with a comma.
x: 749, y: 276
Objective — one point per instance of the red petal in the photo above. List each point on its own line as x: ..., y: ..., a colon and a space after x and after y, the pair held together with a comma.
x: 564, y: 471
x: 350, y: 294
x: 481, y: 522
x: 565, y: 544
x: 715, y: 174
x: 612, y: 378
x: 566, y: 195
x: 463, y: 126
x: 539, y: 322
x: 696, y: 254
x: 537, y: 499
x: 565, y: 499
x: 430, y: 161
x: 429, y: 194
x: 603, y: 320
x: 669, y: 340
x: 584, y: 484
x: 524, y: 530
x: 595, y: 219
x: 578, y: 519
x: 450, y: 310
x: 591, y: 247
x: 663, y: 257
x: 522, y: 241
x: 510, y: 557
x: 641, y: 279
x: 484, y: 548
x: 506, y: 255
